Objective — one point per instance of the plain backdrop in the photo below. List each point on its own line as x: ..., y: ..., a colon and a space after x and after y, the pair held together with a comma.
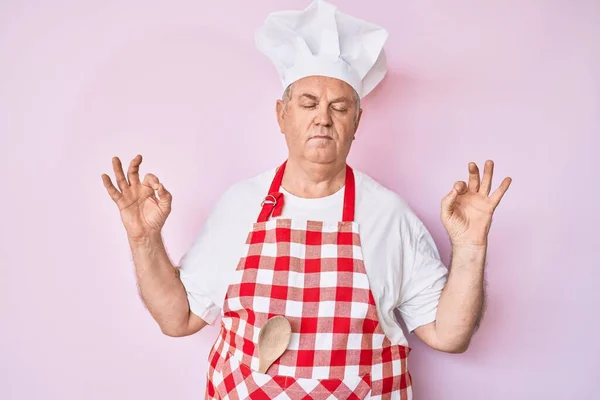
x: 181, y: 83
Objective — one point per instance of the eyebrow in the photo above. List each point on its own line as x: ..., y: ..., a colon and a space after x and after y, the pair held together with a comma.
x: 315, y: 98
x: 309, y: 96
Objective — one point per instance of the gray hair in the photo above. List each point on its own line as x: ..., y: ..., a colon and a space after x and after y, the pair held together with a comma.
x: 287, y: 96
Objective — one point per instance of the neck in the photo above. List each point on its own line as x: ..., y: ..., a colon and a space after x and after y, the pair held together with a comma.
x: 312, y: 180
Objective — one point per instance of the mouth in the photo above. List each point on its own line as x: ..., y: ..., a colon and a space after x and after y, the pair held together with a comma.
x: 323, y: 137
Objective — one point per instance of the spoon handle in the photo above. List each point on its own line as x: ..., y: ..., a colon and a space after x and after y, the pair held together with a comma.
x: 263, y: 366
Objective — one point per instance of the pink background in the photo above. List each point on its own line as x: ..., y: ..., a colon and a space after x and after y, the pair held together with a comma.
x: 181, y: 83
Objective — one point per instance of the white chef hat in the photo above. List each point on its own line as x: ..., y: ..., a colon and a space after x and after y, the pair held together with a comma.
x: 321, y: 40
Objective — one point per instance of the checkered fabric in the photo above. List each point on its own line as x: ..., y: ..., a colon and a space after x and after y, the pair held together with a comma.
x: 313, y: 274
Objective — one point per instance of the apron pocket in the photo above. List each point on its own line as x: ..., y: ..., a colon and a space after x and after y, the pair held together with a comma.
x: 238, y: 381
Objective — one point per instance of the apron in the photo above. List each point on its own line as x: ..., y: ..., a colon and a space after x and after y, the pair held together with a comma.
x: 313, y: 274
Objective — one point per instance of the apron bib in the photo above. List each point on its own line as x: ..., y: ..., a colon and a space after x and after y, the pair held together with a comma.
x: 313, y: 274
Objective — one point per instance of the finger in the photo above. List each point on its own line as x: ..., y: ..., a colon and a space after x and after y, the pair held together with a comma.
x: 133, y: 173
x: 111, y: 189
x: 473, y: 177
x: 164, y: 198
x: 461, y: 187
x: 499, y: 193
x: 120, y: 176
x: 486, y: 181
x: 151, y: 181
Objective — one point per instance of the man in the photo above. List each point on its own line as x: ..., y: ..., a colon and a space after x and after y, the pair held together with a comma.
x: 314, y: 241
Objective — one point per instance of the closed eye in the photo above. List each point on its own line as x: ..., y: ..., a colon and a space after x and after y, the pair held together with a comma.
x: 340, y: 109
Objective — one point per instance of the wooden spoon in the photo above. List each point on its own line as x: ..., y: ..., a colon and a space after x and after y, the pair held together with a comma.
x: 273, y: 340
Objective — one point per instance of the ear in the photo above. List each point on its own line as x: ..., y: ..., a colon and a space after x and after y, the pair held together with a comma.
x: 280, y: 110
x: 358, y: 119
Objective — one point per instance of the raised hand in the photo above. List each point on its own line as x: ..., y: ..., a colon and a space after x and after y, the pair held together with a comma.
x: 467, y: 211
x: 143, y: 213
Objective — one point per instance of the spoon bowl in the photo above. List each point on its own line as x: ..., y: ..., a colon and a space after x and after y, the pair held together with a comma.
x: 273, y: 340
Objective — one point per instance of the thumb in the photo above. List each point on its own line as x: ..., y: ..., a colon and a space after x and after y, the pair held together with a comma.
x: 164, y: 198
x: 448, y: 203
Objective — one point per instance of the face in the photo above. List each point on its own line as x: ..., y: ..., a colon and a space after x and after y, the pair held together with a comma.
x: 320, y: 119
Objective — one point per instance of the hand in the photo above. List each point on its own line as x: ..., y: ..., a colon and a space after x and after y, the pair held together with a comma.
x: 467, y: 210
x: 142, y: 212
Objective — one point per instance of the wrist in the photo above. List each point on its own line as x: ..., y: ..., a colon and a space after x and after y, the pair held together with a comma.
x: 469, y: 254
x: 474, y: 247
x: 145, y: 240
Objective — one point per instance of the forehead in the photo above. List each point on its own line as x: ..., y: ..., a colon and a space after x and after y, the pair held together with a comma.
x: 322, y: 86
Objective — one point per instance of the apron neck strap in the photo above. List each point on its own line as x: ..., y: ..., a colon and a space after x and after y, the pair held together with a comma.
x: 272, y: 205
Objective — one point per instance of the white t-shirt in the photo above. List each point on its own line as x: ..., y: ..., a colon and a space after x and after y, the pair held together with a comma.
x: 401, y: 259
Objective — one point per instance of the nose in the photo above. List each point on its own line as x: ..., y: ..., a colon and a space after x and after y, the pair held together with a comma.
x: 323, y: 117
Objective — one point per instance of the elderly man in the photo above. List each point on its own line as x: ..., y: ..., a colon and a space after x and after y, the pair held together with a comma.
x: 317, y: 247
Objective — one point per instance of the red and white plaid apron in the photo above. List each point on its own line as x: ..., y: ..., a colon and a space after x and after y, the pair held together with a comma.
x: 313, y: 274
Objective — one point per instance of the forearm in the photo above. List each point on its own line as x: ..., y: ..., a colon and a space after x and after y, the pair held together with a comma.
x: 461, y: 303
x: 159, y: 285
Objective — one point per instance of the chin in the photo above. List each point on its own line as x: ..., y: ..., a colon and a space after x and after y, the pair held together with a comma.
x: 321, y: 158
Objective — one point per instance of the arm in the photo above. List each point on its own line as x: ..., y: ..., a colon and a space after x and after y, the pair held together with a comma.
x: 144, y: 214
x: 466, y: 213
x: 161, y: 289
x: 461, y: 304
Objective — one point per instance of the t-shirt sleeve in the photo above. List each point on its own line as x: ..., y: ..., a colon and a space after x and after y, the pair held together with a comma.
x: 208, y: 266
x: 198, y: 273
x: 427, y: 277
